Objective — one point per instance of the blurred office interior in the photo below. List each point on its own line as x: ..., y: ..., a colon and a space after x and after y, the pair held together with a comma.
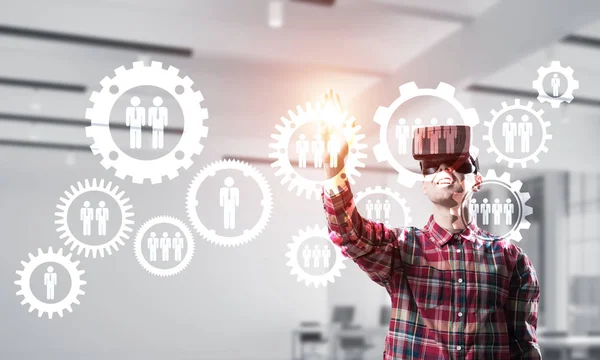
x: 253, y: 61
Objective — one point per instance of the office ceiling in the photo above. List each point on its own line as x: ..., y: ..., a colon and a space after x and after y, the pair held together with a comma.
x: 249, y: 73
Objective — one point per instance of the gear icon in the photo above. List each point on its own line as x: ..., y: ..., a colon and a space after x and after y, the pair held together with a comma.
x: 266, y: 203
x: 316, y: 280
x: 286, y: 169
x: 193, y: 114
x: 384, y: 114
x: 139, y: 239
x: 390, y: 193
x: 523, y: 210
x: 567, y: 72
x: 529, y: 109
x: 63, y: 210
x: 25, y: 283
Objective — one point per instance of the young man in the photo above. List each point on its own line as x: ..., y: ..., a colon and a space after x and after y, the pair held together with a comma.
x: 457, y: 292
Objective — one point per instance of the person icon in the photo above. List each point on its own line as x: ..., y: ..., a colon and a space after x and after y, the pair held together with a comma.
x: 434, y: 134
x: 402, y: 135
x: 306, y: 256
x: 378, y: 208
x: 485, y: 212
x: 555, y: 83
x: 509, y: 131
x: 102, y: 217
x: 387, y: 207
x: 135, y: 118
x: 178, y: 244
x: 525, y: 132
x: 152, y: 245
x: 318, y: 149
x: 497, y: 211
x: 158, y: 118
x: 326, y: 253
x: 334, y: 146
x: 165, y: 245
x: 420, y: 135
x: 86, y: 215
x: 509, y: 209
x: 369, y: 207
x: 449, y: 134
x: 417, y: 124
x: 302, y: 150
x: 316, y: 256
x: 50, y: 281
x: 229, y: 199
x: 474, y: 208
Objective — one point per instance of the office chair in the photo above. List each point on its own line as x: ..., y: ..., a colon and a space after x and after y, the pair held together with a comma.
x: 314, y: 338
x: 354, y: 347
x: 553, y: 353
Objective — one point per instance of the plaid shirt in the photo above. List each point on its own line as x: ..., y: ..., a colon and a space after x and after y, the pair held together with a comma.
x: 467, y: 295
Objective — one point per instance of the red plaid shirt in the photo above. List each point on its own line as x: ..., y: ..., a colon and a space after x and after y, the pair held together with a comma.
x: 468, y: 295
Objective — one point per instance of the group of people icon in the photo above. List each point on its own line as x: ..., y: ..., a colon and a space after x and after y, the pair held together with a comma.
x: 496, y: 209
x: 99, y: 214
x: 378, y: 208
x: 432, y: 134
x: 511, y: 129
x: 318, y: 147
x: 229, y: 200
x: 165, y: 243
x: 135, y: 118
x: 50, y: 281
x: 312, y: 257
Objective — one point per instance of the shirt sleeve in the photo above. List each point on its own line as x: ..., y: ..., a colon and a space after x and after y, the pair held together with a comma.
x: 372, y: 246
x: 522, y: 309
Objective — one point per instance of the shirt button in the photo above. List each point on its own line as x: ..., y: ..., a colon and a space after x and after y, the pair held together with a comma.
x: 460, y: 314
x: 460, y: 280
x: 458, y: 347
x: 456, y: 237
x: 458, y: 250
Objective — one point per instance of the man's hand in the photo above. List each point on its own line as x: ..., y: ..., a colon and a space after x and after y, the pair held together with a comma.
x: 332, y: 104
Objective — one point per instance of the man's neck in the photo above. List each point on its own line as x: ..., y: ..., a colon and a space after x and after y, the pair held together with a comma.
x: 451, y: 219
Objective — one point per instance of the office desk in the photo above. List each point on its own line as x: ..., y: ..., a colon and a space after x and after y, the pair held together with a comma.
x: 569, y: 341
x: 333, y: 334
x: 564, y: 344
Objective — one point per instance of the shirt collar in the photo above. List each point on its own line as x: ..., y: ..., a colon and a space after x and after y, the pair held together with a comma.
x: 441, y: 236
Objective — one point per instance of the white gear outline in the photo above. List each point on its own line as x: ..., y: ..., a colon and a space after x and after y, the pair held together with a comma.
x: 25, y: 279
x: 313, y: 187
x: 390, y: 193
x: 309, y: 279
x: 522, y: 197
x: 193, y: 114
x: 567, y: 72
x: 384, y: 114
x: 266, y: 202
x: 66, y: 202
x: 139, y: 238
x: 529, y: 109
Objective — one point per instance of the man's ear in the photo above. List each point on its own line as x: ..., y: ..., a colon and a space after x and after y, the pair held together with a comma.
x: 478, y: 183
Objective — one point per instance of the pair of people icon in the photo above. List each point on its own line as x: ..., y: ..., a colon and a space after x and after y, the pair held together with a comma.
x: 165, y: 243
x: 158, y: 119
x: 318, y: 147
x: 496, y: 209
x: 510, y: 130
x: 316, y: 255
x: 99, y: 214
